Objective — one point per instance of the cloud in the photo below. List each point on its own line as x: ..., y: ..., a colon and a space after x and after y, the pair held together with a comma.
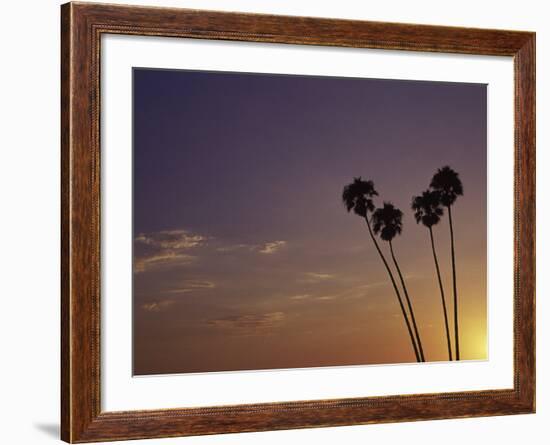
x: 192, y: 285
x: 300, y: 297
x: 349, y: 292
x: 320, y: 276
x: 171, y: 258
x: 327, y: 297
x: 265, y: 248
x: 249, y: 322
x: 316, y: 277
x: 272, y: 247
x: 171, y: 239
x: 412, y: 276
x: 166, y: 248
x: 359, y: 291
x: 157, y: 306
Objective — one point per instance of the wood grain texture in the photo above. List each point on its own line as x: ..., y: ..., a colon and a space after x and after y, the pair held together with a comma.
x: 81, y: 28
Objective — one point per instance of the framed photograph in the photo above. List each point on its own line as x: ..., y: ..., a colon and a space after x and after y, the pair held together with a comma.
x: 275, y: 222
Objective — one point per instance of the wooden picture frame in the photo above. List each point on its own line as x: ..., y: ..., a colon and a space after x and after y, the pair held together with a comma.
x: 82, y: 25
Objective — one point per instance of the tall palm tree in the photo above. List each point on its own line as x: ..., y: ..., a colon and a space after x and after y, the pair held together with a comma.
x: 357, y: 196
x: 449, y: 186
x: 387, y: 222
x: 428, y: 211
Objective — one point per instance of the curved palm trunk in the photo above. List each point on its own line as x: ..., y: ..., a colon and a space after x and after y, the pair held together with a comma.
x: 455, y: 296
x: 442, y: 296
x: 420, y: 350
x: 395, y: 289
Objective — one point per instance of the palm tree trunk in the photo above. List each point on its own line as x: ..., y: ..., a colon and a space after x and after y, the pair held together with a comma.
x: 455, y: 296
x: 442, y: 296
x: 420, y: 350
x: 395, y: 289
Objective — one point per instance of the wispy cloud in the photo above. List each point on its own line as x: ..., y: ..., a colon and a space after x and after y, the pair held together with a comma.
x: 269, y: 247
x: 360, y: 291
x: 313, y: 297
x: 319, y: 276
x: 171, y: 258
x: 247, y: 323
x: 157, y: 306
x: 316, y: 277
x: 191, y: 286
x: 412, y: 276
x: 166, y: 248
x: 327, y: 297
x: 171, y: 239
x: 300, y: 297
x: 348, y: 292
x: 272, y: 247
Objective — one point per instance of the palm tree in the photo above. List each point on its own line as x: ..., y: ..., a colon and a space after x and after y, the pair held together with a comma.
x: 449, y: 186
x: 387, y: 222
x: 428, y: 211
x: 357, y: 196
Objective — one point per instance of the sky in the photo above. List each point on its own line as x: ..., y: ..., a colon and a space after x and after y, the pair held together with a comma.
x: 245, y: 257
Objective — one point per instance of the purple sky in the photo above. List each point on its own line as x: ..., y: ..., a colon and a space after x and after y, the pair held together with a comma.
x: 245, y: 257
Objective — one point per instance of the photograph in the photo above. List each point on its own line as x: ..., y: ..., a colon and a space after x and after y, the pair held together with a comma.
x: 288, y: 221
x: 274, y: 222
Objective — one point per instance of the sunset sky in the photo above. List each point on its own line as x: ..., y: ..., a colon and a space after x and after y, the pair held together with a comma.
x: 244, y: 255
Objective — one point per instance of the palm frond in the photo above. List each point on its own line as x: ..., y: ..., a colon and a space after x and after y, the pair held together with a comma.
x: 387, y: 221
x: 357, y: 196
x: 447, y: 182
x: 427, y: 208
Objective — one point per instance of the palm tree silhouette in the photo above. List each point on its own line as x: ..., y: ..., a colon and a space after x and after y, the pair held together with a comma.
x: 387, y: 222
x: 449, y: 186
x: 357, y: 196
x: 428, y: 211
